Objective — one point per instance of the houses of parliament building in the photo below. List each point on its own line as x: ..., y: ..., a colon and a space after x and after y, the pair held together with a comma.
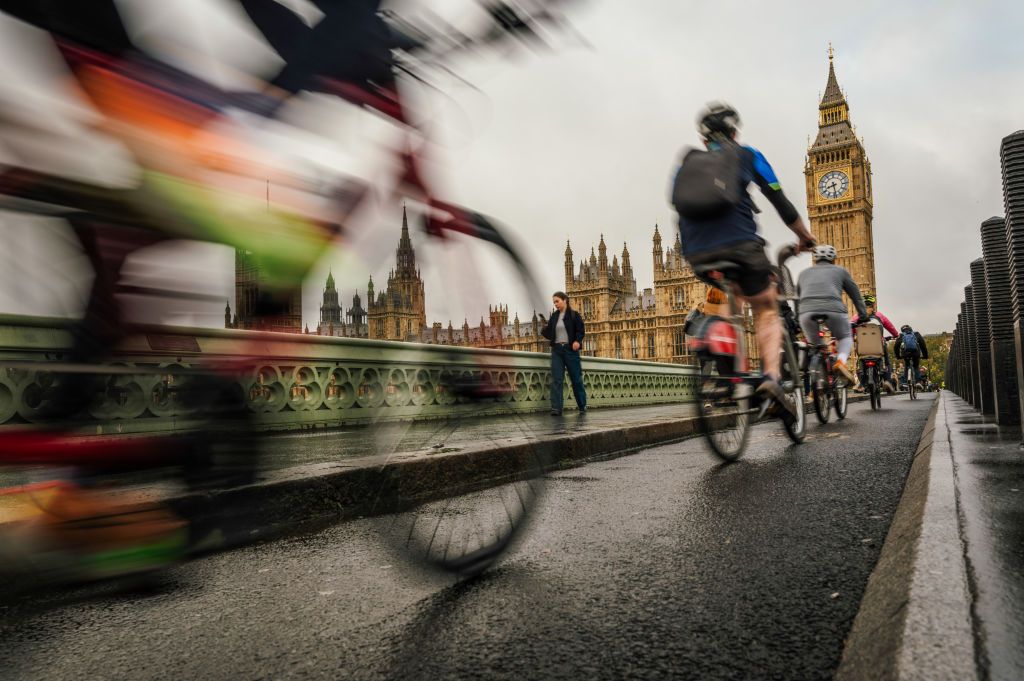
x: 622, y: 321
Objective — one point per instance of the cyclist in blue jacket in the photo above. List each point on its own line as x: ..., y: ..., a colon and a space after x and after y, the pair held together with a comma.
x: 733, y: 236
x: 911, y: 347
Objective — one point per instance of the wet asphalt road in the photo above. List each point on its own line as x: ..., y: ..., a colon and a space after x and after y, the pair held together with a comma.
x: 655, y: 565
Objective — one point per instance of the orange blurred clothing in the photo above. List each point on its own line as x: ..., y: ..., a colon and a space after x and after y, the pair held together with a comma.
x: 174, y: 136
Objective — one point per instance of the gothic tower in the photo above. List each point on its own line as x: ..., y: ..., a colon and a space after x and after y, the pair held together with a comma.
x: 659, y: 255
x: 356, y: 313
x: 568, y: 263
x: 838, y: 176
x: 330, y: 309
x: 399, y: 311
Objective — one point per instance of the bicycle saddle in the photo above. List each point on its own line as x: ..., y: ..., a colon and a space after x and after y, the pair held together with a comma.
x: 726, y: 267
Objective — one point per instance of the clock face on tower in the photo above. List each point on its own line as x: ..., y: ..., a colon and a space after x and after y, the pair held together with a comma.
x: 833, y: 184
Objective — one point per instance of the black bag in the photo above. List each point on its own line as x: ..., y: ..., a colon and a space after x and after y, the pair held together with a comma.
x: 709, y: 184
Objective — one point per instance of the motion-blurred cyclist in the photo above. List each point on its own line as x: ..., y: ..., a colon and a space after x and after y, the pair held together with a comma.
x: 722, y: 227
x: 821, y: 291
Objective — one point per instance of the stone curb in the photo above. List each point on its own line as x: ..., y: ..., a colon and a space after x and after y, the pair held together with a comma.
x: 377, y: 485
x: 914, y: 620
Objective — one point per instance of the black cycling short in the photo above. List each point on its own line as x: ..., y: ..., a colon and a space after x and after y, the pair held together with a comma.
x: 755, y: 269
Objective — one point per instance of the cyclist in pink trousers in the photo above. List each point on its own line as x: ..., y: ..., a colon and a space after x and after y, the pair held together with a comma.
x: 869, y: 303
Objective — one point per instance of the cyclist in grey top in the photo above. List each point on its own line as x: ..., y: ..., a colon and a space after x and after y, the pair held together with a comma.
x: 821, y: 291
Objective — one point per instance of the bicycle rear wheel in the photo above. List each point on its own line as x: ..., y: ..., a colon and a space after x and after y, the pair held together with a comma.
x: 819, y: 392
x: 724, y: 415
x: 842, y: 400
x: 874, y: 391
x: 911, y: 384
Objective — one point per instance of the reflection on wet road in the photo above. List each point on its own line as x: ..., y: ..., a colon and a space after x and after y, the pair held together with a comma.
x: 990, y: 484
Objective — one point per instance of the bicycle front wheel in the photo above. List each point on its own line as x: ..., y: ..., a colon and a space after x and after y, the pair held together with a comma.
x: 463, y: 454
x: 723, y: 411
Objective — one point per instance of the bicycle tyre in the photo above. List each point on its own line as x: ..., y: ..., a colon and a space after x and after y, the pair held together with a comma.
x: 715, y: 426
x: 819, y: 392
x: 790, y: 369
x: 446, y: 501
x: 911, y: 384
x: 842, y: 401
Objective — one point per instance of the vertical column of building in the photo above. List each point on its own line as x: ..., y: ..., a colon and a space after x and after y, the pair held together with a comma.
x: 983, y: 336
x: 1011, y: 155
x: 1000, y: 314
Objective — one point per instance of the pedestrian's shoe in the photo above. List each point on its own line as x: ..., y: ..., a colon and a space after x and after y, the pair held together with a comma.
x: 771, y: 389
x: 844, y: 371
x: 556, y: 412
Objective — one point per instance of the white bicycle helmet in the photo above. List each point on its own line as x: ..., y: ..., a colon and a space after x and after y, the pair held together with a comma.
x: 825, y: 252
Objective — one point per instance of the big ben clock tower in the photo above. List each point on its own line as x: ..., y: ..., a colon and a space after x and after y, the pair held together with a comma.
x: 839, y: 202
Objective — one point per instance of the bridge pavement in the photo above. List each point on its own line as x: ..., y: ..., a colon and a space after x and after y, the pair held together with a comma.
x: 658, y: 564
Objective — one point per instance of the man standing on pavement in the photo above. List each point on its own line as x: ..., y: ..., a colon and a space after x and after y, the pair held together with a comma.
x: 565, y: 331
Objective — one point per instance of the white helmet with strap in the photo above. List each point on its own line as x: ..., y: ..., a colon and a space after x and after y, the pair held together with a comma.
x: 825, y: 252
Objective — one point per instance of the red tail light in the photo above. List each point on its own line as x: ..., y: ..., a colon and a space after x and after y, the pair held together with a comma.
x: 821, y: 334
x: 721, y: 339
x: 870, y: 364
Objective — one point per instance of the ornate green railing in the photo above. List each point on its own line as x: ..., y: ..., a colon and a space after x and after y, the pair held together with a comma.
x: 299, y: 381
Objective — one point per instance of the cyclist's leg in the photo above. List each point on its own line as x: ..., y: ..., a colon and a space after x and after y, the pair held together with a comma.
x: 102, y: 326
x: 810, y: 329
x: 768, y: 328
x: 839, y: 326
x: 887, y: 368
x: 757, y: 288
x: 915, y: 361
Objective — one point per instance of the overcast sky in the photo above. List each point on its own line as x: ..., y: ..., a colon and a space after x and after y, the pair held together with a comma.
x: 582, y: 141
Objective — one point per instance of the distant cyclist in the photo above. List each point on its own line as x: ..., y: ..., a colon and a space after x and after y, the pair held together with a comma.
x: 911, y: 348
x: 723, y: 227
x: 873, y: 312
x: 821, y: 291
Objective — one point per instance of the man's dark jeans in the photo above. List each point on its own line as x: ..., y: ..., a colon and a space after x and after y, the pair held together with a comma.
x: 564, y: 359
